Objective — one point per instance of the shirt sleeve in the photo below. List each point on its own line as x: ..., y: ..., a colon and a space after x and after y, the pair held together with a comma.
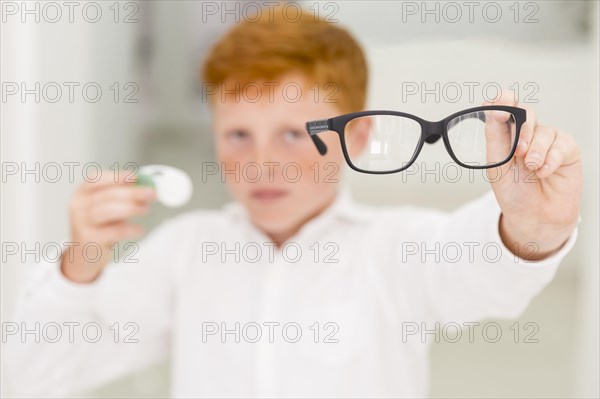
x: 475, y: 276
x: 67, y: 337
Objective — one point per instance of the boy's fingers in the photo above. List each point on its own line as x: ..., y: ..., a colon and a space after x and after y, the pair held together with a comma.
x: 508, y: 98
x: 505, y: 97
x: 122, y: 192
x: 554, y: 158
x: 527, y: 132
x: 542, y: 140
x: 110, y: 177
x: 114, y: 211
x: 564, y: 151
x: 498, y: 137
x: 118, y: 231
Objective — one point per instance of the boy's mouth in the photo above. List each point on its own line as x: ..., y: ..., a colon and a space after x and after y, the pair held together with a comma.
x: 268, y: 195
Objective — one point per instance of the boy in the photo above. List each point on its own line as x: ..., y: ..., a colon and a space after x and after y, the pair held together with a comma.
x: 324, y: 300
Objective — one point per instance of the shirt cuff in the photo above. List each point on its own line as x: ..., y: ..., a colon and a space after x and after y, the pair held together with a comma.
x: 57, y: 288
x: 556, y: 257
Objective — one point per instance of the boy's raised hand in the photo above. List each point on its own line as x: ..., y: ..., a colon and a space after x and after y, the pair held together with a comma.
x: 539, y: 190
x: 99, y: 214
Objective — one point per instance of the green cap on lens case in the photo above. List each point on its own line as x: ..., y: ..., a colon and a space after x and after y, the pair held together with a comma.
x: 173, y: 186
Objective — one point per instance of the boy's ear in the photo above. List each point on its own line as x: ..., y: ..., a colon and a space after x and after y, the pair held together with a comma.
x: 357, y: 135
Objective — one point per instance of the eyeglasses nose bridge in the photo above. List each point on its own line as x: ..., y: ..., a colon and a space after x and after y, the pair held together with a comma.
x: 433, y: 131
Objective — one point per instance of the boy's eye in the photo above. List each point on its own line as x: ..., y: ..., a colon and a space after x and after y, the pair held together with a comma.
x: 293, y: 135
x: 237, y: 135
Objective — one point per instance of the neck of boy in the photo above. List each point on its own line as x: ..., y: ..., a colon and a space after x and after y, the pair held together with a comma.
x: 281, y: 237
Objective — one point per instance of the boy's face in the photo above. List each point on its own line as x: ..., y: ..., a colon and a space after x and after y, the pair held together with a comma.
x: 281, y: 178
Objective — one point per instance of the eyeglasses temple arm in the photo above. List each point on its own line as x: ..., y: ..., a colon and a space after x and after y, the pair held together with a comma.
x: 315, y: 127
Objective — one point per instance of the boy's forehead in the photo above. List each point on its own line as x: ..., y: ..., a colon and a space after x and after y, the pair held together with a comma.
x: 292, y: 90
x: 275, y: 106
x: 259, y: 114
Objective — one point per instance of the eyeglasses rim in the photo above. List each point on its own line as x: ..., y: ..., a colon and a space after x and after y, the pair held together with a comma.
x: 338, y: 125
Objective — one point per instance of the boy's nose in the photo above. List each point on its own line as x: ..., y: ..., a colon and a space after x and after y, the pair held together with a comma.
x: 266, y: 158
x: 263, y: 152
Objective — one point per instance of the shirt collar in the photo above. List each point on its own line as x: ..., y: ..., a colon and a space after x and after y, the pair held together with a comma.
x: 344, y: 208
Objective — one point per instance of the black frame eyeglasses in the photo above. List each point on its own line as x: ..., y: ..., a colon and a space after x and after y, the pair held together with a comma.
x: 430, y: 132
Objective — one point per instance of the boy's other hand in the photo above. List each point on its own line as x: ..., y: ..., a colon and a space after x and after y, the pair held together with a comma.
x: 99, y: 214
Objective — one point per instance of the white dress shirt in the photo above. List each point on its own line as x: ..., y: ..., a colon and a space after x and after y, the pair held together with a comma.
x: 237, y: 317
